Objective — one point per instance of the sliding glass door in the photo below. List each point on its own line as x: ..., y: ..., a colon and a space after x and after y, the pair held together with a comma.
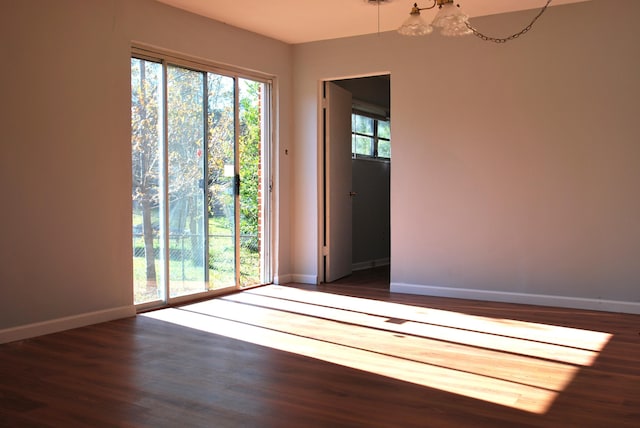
x: 199, y: 157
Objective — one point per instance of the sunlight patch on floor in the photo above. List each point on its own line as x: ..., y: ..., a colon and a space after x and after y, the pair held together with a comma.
x: 562, y: 344
x: 584, y: 339
x: 477, y: 357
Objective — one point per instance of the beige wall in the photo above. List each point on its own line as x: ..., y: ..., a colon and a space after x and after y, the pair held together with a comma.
x: 65, y: 166
x: 515, y: 167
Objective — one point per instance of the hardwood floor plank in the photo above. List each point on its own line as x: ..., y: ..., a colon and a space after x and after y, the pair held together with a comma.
x: 361, y: 353
x: 371, y: 334
x: 574, y: 346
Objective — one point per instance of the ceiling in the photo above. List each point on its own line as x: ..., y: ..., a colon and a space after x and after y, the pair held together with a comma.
x: 296, y: 21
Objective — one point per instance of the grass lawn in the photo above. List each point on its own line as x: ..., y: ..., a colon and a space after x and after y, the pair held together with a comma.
x: 186, y: 275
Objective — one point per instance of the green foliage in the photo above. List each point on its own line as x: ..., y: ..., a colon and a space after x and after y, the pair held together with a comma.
x: 145, y: 129
x: 250, y: 147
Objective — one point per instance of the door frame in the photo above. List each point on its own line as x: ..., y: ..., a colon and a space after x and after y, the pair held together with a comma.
x: 267, y: 259
x: 321, y: 166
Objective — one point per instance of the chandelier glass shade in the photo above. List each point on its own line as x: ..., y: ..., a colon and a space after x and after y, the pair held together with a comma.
x: 415, y: 25
x: 452, y: 21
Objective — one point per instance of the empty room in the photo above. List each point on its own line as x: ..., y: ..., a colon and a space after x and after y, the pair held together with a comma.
x: 201, y: 226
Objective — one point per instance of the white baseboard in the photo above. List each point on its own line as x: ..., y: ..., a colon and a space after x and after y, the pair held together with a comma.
x: 304, y: 279
x: 53, y: 326
x: 521, y: 298
x: 371, y: 264
x: 283, y: 279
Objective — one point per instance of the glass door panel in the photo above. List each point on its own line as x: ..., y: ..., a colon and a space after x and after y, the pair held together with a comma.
x: 185, y: 220
x: 221, y: 178
x: 198, y: 177
x: 251, y: 184
x: 147, y: 183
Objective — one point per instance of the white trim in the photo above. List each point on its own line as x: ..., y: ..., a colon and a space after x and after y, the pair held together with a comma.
x: 521, y: 298
x: 283, y: 279
x: 371, y: 264
x: 66, y: 323
x: 150, y: 52
x: 304, y: 279
x: 363, y: 108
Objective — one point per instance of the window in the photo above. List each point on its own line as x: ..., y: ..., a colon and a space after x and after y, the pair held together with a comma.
x: 199, y: 147
x: 370, y: 136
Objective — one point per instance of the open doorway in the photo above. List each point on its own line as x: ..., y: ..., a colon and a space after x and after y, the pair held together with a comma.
x: 367, y: 181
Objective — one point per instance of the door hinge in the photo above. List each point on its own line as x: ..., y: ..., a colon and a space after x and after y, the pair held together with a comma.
x: 325, y: 251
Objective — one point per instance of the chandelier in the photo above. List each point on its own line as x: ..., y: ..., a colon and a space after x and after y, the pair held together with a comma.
x: 452, y: 21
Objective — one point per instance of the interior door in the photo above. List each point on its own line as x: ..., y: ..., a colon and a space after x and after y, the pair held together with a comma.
x: 337, y: 154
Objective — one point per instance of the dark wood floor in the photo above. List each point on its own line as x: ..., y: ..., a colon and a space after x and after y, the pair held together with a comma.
x: 338, y: 355
x: 377, y: 277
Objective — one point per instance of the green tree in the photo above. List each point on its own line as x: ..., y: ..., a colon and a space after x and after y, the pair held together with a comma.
x: 145, y: 79
x: 185, y: 111
x: 221, y: 133
x: 250, y: 148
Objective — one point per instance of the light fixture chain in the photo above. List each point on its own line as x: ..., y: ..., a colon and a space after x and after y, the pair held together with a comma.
x: 511, y: 37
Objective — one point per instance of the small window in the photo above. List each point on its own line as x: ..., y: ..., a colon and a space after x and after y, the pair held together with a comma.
x: 370, y: 136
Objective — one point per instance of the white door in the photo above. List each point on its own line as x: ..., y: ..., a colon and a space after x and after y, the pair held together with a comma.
x: 337, y: 152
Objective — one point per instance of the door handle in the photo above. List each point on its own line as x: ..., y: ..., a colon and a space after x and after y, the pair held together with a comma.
x: 352, y: 194
x: 237, y: 184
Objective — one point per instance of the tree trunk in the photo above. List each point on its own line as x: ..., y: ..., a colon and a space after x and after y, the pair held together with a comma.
x: 147, y: 226
x: 149, y: 250
x: 195, y: 232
